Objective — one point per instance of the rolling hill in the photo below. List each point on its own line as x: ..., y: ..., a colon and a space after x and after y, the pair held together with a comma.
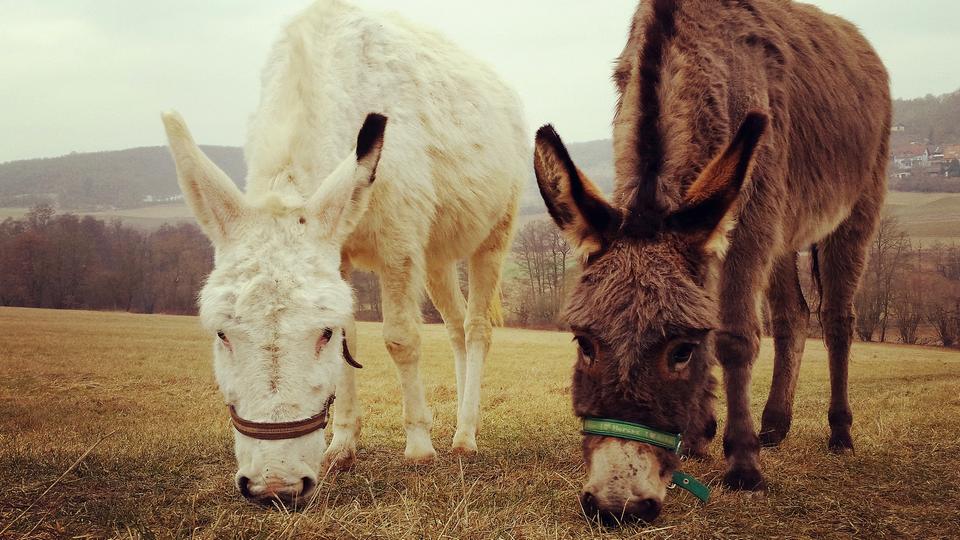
x: 137, y: 177
x: 103, y: 180
x: 122, y: 183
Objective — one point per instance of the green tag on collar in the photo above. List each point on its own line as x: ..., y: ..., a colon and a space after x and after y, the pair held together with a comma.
x: 633, y: 432
x: 685, y: 481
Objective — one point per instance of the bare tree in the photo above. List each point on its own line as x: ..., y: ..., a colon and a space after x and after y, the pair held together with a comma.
x: 543, y: 257
x: 367, y: 289
x: 942, y: 309
x: 909, y: 307
x: 889, y: 255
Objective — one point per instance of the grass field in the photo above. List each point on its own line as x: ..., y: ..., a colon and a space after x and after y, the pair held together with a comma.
x: 69, y: 378
x: 927, y: 217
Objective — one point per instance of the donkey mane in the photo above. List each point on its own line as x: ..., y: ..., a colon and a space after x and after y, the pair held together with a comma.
x: 643, y: 207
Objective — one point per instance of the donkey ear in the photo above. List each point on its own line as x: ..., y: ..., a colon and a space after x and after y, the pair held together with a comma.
x: 574, y: 202
x: 705, y: 214
x: 343, y: 197
x: 212, y: 196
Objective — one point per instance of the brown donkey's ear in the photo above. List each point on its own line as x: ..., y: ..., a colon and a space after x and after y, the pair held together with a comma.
x: 574, y: 202
x: 705, y: 213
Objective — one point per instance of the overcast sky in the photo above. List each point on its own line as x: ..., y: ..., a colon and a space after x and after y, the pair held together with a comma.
x: 88, y: 75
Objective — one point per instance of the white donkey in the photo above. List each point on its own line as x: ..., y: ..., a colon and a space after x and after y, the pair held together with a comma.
x: 448, y: 172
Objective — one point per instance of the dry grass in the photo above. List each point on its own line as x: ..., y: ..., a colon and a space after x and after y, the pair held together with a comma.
x: 927, y: 217
x: 69, y: 378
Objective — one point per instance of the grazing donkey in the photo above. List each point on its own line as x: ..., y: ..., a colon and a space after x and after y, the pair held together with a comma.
x: 448, y: 173
x: 746, y: 131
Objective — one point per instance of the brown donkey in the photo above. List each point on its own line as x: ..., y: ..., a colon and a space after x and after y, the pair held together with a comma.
x: 747, y: 130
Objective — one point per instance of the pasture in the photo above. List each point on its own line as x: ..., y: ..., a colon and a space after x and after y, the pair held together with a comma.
x: 165, y: 468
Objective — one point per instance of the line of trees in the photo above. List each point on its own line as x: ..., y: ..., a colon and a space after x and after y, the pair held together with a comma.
x: 68, y: 262
x: 910, y: 293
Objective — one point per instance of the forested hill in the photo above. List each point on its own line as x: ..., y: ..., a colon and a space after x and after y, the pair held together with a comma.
x: 931, y: 119
x: 138, y: 176
x: 120, y: 179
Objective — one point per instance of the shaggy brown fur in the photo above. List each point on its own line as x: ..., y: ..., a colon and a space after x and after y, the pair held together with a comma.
x: 658, y: 271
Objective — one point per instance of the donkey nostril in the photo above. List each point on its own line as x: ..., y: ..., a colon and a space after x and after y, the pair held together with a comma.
x: 308, y: 484
x: 589, y: 503
x: 244, y: 485
x: 648, y: 510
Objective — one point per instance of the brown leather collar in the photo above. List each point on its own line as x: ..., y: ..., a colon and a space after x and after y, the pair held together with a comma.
x: 274, y: 431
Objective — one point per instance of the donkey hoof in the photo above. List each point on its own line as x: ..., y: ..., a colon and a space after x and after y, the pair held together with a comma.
x: 745, y: 479
x: 697, y: 451
x: 464, y: 443
x: 424, y: 456
x: 771, y: 437
x: 840, y: 443
x: 339, y: 460
x: 774, y: 427
x: 463, y: 449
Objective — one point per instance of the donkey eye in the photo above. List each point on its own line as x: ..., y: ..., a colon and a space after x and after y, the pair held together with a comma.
x: 324, y: 338
x: 681, y: 354
x: 587, y: 348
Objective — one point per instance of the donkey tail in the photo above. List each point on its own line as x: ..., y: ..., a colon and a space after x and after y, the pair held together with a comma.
x: 496, y: 308
x: 817, y: 281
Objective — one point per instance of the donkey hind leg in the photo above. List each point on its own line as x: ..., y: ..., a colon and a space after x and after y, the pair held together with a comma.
x: 790, y: 316
x: 443, y: 285
x: 400, y: 286
x: 342, y: 452
x: 483, y: 300
x: 842, y: 258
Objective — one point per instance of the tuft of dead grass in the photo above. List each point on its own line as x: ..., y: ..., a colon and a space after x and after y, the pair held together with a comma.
x: 68, y: 378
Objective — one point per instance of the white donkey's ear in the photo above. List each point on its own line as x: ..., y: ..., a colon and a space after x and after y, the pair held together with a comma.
x: 213, y: 197
x: 343, y: 197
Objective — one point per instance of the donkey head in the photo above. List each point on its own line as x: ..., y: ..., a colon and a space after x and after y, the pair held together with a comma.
x: 641, y: 313
x: 275, y: 304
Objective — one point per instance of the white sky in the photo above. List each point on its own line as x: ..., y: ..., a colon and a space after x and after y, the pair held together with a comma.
x: 88, y: 75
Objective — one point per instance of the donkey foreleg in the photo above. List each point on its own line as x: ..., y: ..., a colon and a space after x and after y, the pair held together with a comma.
x: 737, y: 352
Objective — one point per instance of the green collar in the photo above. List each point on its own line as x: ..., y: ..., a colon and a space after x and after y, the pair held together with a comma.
x: 637, y: 432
